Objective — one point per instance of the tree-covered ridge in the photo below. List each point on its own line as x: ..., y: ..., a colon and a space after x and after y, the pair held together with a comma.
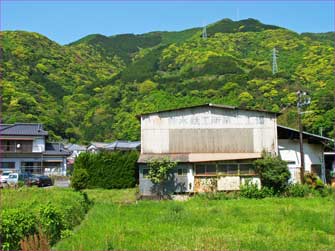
x: 94, y: 88
x: 38, y: 76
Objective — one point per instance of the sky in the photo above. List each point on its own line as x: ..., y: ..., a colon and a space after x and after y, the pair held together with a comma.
x: 68, y: 21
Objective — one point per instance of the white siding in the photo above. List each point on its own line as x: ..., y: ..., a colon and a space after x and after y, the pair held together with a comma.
x: 158, y: 130
x: 39, y: 145
x: 289, y: 150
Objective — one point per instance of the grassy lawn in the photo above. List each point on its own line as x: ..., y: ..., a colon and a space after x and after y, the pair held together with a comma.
x: 200, y: 224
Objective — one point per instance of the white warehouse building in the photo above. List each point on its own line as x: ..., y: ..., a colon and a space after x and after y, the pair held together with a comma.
x: 217, y: 142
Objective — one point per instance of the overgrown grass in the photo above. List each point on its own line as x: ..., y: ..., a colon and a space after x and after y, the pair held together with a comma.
x: 33, y: 197
x: 111, y: 196
x: 200, y: 224
x: 26, y: 212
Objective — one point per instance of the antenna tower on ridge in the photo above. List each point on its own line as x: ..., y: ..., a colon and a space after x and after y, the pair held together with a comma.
x: 204, y: 32
x: 274, y: 61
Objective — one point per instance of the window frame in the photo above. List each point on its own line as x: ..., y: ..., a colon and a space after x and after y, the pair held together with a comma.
x: 145, y: 176
x: 184, y: 171
x: 231, y: 169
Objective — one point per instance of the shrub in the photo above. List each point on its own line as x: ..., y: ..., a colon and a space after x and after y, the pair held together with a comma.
x: 39, y: 213
x: 273, y: 172
x: 15, y: 225
x: 79, y: 179
x: 52, y: 222
x: 297, y: 190
x: 158, y: 172
x: 313, y: 181
x: 252, y: 191
x: 105, y: 170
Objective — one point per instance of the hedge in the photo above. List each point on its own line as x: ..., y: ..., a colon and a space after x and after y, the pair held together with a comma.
x: 50, y: 211
x: 105, y: 170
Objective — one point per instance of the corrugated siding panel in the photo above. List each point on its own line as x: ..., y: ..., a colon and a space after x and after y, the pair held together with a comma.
x: 226, y: 140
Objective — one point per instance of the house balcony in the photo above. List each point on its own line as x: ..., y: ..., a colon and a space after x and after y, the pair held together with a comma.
x: 16, y: 149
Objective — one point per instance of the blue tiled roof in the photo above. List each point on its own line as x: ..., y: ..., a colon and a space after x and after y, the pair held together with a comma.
x: 22, y: 129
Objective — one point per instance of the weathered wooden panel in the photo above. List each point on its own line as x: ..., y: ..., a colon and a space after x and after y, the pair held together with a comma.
x: 205, y: 184
x: 229, y: 183
x: 228, y: 140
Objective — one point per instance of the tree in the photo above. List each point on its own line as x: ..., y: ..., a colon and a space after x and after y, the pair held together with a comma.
x: 273, y: 172
x: 158, y: 172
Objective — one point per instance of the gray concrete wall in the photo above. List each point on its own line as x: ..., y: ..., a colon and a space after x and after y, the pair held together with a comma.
x: 174, y: 184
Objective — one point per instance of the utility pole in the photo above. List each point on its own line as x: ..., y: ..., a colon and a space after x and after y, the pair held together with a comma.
x: 303, y: 100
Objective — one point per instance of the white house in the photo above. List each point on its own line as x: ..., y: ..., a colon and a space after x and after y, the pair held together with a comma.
x: 24, y: 148
x: 314, y: 145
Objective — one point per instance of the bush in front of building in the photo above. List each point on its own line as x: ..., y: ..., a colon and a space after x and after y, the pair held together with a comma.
x: 273, y: 172
x: 297, y: 190
x: 158, y: 172
x: 306, y: 190
x: 105, y: 170
x: 252, y: 191
x: 313, y: 181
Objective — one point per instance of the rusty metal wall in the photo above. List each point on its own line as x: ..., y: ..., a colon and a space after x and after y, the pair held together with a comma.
x: 228, y: 140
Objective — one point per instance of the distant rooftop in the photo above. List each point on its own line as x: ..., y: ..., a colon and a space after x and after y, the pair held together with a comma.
x: 124, y: 145
x: 211, y: 105
x: 75, y: 147
x: 55, y: 149
x: 22, y: 129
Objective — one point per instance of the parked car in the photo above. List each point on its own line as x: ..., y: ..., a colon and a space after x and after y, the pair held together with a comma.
x: 14, y: 178
x: 4, y: 176
x: 40, y: 180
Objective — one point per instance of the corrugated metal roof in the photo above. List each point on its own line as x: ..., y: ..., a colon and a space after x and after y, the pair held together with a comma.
x: 210, y: 105
x: 75, y: 147
x: 27, y: 129
x: 199, y: 157
x: 99, y: 144
x: 305, y: 133
x: 120, y: 144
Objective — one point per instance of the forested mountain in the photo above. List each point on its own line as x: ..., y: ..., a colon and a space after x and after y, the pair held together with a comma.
x: 92, y: 89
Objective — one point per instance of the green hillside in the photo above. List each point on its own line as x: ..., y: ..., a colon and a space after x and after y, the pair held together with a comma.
x: 93, y: 88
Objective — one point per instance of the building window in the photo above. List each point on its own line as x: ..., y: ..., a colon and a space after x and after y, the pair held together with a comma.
x: 247, y: 169
x: 145, y: 172
x: 31, y: 167
x: 210, y: 169
x: 7, y: 165
x: 206, y: 169
x: 200, y: 169
x: 228, y: 169
x: 290, y: 162
x: 182, y: 171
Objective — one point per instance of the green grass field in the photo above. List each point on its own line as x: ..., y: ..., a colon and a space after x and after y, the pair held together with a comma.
x: 200, y: 224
